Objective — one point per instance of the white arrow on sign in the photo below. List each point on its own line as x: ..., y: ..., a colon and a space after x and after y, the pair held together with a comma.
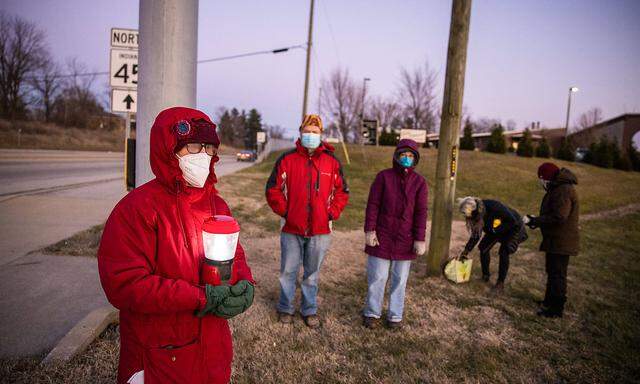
x: 124, y: 100
x: 124, y: 68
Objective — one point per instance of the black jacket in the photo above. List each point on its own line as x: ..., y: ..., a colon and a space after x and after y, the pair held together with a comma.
x: 499, y: 221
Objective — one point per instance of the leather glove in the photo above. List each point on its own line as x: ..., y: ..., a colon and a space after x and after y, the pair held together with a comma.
x: 239, y: 300
x: 419, y: 247
x: 371, y: 239
x: 215, y: 296
x: 531, y: 221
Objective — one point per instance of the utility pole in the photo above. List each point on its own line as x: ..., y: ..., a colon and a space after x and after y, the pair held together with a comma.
x: 566, y: 124
x: 449, y: 136
x: 167, y: 75
x: 306, y: 75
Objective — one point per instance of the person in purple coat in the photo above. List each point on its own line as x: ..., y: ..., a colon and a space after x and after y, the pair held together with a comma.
x: 395, y: 230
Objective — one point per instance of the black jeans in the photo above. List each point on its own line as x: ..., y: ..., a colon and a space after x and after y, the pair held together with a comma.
x: 556, y: 266
x: 508, y: 245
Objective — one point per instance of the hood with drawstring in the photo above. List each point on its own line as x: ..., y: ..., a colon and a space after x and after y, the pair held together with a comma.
x: 149, y: 261
x: 403, y: 146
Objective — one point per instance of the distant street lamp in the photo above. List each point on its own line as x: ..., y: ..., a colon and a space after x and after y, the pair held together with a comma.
x: 364, y: 91
x: 566, y: 125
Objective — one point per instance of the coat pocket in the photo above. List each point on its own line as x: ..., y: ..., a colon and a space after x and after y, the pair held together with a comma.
x: 174, y: 364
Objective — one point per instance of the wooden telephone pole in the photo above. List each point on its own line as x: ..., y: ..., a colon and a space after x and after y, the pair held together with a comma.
x: 308, y: 64
x: 449, y: 136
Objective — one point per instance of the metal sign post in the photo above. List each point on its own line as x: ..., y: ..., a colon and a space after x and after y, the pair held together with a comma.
x: 123, y: 78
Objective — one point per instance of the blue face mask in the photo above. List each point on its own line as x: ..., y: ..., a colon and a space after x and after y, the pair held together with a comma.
x: 405, y: 161
x: 310, y: 140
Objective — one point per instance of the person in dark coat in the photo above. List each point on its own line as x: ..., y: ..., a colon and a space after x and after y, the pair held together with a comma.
x: 500, y: 224
x: 395, y: 230
x: 558, y: 222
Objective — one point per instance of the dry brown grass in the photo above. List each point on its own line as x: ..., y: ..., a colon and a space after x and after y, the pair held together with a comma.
x: 38, y: 135
x: 452, y: 334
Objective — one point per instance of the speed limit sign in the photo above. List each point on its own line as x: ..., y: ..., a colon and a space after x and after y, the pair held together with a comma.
x: 124, y: 68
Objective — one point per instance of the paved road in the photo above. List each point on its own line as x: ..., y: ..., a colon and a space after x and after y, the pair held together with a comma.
x: 45, y: 197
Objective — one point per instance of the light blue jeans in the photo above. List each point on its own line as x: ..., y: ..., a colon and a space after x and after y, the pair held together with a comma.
x: 377, y: 275
x: 297, y: 250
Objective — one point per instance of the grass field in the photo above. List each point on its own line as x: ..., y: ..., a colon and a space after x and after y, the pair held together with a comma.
x: 453, y: 333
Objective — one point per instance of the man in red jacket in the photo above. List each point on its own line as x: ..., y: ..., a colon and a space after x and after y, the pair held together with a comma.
x: 308, y: 190
x: 172, y: 329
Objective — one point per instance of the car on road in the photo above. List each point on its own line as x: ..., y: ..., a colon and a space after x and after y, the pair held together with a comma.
x: 246, y: 155
x: 581, y: 153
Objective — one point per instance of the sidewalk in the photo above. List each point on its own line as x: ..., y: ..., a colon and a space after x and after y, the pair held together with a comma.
x: 43, y: 296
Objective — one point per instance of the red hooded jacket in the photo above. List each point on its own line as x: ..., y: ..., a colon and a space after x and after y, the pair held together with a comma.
x: 149, y: 262
x: 308, y: 190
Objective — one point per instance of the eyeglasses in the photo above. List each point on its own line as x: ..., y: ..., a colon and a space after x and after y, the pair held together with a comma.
x: 194, y: 148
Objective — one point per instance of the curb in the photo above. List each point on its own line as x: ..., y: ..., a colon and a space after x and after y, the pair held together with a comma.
x: 82, y: 334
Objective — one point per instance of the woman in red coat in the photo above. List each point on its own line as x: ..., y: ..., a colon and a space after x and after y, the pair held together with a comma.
x: 172, y: 329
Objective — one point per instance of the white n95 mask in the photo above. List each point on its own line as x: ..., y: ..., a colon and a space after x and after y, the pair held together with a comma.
x: 195, y: 168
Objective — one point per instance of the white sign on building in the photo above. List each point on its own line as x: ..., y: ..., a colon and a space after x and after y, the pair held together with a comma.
x: 417, y: 135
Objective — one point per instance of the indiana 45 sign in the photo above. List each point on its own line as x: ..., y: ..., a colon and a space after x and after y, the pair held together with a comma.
x: 124, y: 68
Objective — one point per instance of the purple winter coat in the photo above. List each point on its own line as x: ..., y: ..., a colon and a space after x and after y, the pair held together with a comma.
x: 397, y: 209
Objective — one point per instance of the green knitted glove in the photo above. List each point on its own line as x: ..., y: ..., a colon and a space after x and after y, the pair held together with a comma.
x: 239, y: 300
x: 215, y: 296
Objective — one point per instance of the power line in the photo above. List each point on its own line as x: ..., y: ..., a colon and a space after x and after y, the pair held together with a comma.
x: 272, y: 51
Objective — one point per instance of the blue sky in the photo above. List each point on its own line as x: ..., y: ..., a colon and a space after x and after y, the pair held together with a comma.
x: 523, y: 55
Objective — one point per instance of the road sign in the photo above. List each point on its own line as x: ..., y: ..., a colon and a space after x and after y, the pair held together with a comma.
x: 417, y: 135
x: 124, y: 100
x: 370, y: 131
x: 261, y: 137
x: 124, y: 38
x: 124, y: 68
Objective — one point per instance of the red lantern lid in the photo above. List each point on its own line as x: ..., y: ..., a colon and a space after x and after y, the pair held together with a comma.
x: 221, y: 224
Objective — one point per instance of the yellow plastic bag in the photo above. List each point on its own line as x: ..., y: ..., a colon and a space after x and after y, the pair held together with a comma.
x: 458, y: 271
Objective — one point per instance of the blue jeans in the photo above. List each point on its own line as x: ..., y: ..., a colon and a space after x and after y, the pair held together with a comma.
x: 377, y: 274
x: 308, y: 251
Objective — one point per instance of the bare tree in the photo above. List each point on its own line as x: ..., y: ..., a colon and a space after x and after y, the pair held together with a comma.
x: 589, y: 118
x: 46, y: 83
x: 418, y: 97
x: 22, y: 49
x: 77, y: 103
x: 484, y: 124
x: 275, y: 131
x: 342, y: 101
x: 387, y: 112
x: 511, y: 125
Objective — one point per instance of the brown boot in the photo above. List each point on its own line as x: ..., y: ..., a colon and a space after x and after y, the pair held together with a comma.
x: 312, y: 321
x: 285, y: 318
x: 394, y: 324
x: 369, y: 322
x: 498, y: 289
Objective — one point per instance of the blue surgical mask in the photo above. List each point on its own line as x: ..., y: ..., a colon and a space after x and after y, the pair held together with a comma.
x: 405, y: 161
x: 310, y: 140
